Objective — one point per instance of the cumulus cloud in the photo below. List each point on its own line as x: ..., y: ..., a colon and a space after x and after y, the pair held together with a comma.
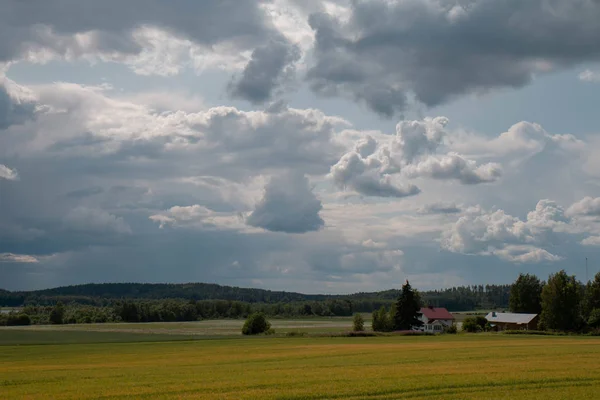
x: 96, y: 221
x: 8, y: 174
x: 288, y: 205
x: 365, y: 176
x: 523, y: 139
x: 374, y: 168
x: 384, y: 53
x: 454, y: 166
x: 498, y: 233
x: 586, y: 207
x: 84, y: 121
x: 525, y: 254
x: 591, y: 241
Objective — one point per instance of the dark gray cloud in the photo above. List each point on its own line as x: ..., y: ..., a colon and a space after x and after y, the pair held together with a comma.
x: 288, y: 205
x: 436, y: 50
x: 14, y: 109
x: 204, y: 22
x: 440, y: 208
x: 113, y: 28
x: 270, y: 66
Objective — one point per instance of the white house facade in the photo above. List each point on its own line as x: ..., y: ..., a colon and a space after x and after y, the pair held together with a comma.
x: 435, y: 319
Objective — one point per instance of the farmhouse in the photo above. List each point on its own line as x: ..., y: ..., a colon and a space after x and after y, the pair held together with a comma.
x: 435, y: 319
x: 512, y: 321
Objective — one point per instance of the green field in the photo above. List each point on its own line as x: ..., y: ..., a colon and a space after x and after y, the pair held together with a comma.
x: 190, y: 330
x: 142, y: 361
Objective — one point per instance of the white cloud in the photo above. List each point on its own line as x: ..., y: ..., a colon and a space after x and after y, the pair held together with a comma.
x: 508, y: 237
x: 454, y: 166
x: 8, y: 174
x: 523, y: 254
x: 591, y: 241
x: 590, y: 76
x: 586, y: 207
x: 523, y: 139
x: 367, y: 177
x: 84, y: 121
x: 198, y: 217
x: 373, y: 167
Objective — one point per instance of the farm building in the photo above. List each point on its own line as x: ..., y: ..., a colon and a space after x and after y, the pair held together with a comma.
x: 436, y: 319
x: 512, y: 321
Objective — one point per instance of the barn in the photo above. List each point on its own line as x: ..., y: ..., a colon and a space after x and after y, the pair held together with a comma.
x: 502, y: 321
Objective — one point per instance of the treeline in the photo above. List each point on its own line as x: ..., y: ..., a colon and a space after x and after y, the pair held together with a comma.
x: 169, y: 310
x: 563, y: 303
x: 464, y: 298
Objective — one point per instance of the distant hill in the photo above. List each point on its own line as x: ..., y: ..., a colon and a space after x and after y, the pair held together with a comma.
x: 154, y: 291
x: 455, y: 299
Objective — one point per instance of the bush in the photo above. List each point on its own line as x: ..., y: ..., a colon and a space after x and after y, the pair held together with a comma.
x: 358, y: 323
x: 361, y: 334
x: 57, y: 314
x: 541, y: 333
x: 256, y: 324
x: 382, y: 321
x: 451, y: 329
x: 295, y: 334
x: 15, y: 319
x: 470, y: 325
x: 594, y: 319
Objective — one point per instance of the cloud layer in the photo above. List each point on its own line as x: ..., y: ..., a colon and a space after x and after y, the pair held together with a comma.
x: 249, y: 142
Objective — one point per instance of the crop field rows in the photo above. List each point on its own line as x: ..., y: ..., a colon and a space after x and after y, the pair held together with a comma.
x: 156, y: 365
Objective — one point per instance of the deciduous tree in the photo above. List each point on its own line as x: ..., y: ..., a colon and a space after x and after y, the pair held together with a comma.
x: 560, y: 303
x: 526, y: 295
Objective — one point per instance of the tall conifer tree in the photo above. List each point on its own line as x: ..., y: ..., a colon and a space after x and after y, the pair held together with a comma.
x: 408, y: 309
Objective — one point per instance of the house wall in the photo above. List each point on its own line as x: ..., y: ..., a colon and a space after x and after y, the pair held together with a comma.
x: 436, y: 326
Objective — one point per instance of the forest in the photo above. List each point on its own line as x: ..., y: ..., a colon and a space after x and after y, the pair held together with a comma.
x: 139, y: 302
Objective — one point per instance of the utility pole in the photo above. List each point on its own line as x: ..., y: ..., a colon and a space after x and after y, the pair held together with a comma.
x: 586, y: 271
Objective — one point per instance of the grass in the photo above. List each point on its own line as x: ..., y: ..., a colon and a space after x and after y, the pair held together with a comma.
x: 294, y: 368
x: 211, y: 328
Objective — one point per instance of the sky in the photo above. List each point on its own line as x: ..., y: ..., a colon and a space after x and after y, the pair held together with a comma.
x: 304, y: 145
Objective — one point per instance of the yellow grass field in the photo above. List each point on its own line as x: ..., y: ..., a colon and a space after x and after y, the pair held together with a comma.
x: 444, y: 367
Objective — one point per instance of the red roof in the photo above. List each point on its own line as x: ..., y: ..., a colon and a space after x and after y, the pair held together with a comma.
x: 436, y: 313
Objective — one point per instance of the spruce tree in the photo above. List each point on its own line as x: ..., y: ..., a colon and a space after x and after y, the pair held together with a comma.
x: 408, y: 309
